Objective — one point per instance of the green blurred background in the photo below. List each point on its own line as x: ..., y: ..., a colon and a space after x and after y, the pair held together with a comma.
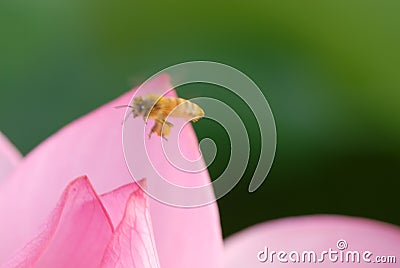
x: 329, y: 69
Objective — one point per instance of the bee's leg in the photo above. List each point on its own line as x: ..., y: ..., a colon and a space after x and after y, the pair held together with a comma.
x: 146, y: 118
x: 166, y: 129
x: 162, y: 128
x: 169, y: 124
x: 151, y: 132
x: 157, y: 128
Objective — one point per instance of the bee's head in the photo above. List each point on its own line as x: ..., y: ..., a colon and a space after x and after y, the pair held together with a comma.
x: 138, y: 108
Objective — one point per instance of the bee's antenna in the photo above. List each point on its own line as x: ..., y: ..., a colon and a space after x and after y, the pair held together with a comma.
x: 125, y: 106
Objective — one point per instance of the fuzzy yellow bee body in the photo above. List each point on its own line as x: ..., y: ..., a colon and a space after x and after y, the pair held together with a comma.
x: 159, y: 108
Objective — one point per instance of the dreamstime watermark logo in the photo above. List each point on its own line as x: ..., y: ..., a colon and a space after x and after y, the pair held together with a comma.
x: 341, y: 255
x: 174, y: 175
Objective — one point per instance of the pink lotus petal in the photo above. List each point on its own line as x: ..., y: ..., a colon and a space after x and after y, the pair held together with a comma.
x: 133, y: 243
x: 112, y: 202
x: 317, y: 233
x: 9, y: 157
x: 79, y: 230
x: 92, y: 146
x: 75, y: 235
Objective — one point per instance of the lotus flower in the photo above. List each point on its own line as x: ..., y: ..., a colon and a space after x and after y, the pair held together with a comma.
x: 103, y: 218
x: 71, y: 202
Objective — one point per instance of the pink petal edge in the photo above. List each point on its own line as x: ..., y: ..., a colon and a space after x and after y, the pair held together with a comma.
x: 9, y: 157
x: 317, y: 233
x: 133, y: 242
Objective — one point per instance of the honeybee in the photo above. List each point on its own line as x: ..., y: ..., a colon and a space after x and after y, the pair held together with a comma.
x: 159, y: 108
